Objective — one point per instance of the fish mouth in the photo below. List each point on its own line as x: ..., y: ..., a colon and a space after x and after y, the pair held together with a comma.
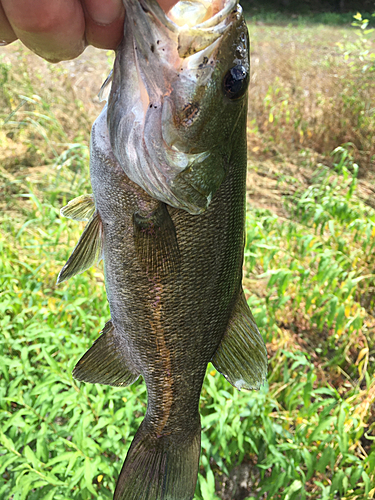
x: 197, y: 24
x: 194, y: 14
x: 201, y: 14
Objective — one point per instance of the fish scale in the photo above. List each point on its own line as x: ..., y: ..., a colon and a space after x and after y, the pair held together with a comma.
x: 173, y: 272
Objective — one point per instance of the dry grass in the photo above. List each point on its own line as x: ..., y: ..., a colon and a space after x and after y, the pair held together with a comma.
x: 305, y: 95
x: 53, y: 106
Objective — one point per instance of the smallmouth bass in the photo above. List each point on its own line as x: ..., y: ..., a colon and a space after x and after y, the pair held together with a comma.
x: 167, y: 215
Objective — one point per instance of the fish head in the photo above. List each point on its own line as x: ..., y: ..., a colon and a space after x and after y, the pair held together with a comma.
x: 179, y: 87
x: 210, y: 85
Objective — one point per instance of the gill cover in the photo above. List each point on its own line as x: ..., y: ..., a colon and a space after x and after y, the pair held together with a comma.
x: 146, y: 121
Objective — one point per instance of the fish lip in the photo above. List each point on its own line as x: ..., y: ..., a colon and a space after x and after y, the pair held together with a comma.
x: 214, y: 24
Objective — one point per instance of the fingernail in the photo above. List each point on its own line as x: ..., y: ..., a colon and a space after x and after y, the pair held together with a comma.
x: 101, y: 14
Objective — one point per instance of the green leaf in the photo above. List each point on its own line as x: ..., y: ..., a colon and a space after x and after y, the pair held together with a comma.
x: 326, y: 458
x: 367, y: 482
x: 293, y: 488
x: 90, y: 470
x: 50, y: 495
x: 31, y: 457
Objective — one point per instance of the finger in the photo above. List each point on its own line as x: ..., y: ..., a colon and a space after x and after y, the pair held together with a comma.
x: 104, y: 22
x: 52, y: 29
x: 7, y: 35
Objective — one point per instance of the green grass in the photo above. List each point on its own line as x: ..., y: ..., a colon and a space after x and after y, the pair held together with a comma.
x: 300, y: 435
x: 309, y: 278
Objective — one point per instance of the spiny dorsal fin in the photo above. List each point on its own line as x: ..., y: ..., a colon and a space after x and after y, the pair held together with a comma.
x: 103, y: 362
x: 87, y: 252
x: 156, y: 242
x: 241, y: 356
x: 81, y: 208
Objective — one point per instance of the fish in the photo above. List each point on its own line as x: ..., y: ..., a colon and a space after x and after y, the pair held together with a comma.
x: 167, y: 216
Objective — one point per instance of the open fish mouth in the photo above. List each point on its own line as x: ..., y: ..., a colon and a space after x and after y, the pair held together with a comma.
x: 196, y: 23
x: 200, y: 14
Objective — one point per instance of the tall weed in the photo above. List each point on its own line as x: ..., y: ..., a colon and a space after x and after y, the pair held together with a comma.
x: 305, y: 95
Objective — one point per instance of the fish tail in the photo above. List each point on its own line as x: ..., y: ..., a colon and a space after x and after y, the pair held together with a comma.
x: 159, y: 467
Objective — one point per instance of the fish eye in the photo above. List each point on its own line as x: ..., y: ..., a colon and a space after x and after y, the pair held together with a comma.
x: 235, y: 82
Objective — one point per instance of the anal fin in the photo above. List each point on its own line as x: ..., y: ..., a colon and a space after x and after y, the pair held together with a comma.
x: 87, y: 252
x: 103, y: 362
x: 242, y: 356
x: 156, y: 242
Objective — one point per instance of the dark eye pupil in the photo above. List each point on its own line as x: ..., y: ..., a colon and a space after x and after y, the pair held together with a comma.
x: 235, y: 82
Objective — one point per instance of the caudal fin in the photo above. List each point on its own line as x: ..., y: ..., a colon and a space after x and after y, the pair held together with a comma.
x: 159, y: 468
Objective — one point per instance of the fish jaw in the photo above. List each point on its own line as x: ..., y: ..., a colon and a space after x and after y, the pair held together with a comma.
x: 163, y: 91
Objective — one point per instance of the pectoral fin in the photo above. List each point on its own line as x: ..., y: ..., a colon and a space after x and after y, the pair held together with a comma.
x: 81, y: 208
x: 241, y: 356
x: 87, y: 252
x: 103, y: 362
x: 156, y: 242
x: 197, y: 184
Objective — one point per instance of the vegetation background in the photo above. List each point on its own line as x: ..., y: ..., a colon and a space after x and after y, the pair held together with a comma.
x: 310, y: 6
x: 308, y: 273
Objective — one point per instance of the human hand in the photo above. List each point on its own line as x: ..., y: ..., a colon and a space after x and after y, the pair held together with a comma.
x: 61, y: 29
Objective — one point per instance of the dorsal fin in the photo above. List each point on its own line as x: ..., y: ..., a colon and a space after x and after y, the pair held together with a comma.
x: 81, y: 208
x: 103, y: 363
x: 87, y: 252
x: 241, y: 356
